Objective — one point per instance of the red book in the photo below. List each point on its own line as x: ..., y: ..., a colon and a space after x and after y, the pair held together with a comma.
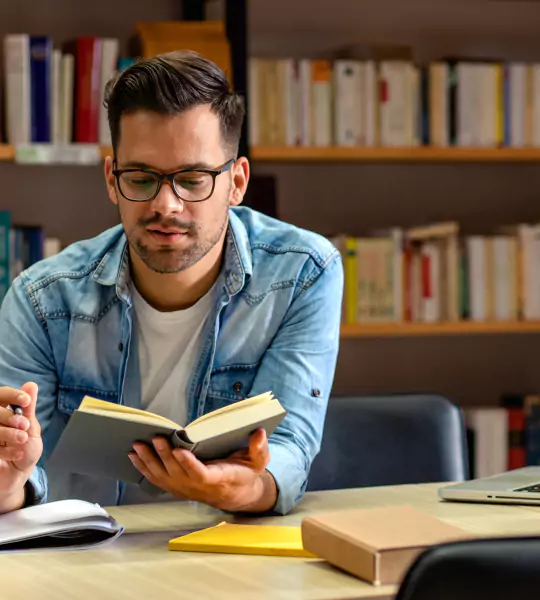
x: 88, y: 93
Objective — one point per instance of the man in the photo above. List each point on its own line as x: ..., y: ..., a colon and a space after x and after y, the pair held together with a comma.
x: 190, y: 304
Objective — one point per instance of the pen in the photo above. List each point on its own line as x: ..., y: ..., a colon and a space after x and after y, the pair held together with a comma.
x: 16, y: 409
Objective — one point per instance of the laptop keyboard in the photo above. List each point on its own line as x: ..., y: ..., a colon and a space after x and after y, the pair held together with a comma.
x: 534, y: 489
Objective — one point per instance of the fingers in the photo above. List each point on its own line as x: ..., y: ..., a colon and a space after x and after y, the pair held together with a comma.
x: 8, y: 419
x: 152, y: 464
x: 195, y: 470
x: 12, y: 437
x: 259, y: 453
x: 13, y: 396
x: 173, y: 467
x: 31, y: 390
x: 11, y: 453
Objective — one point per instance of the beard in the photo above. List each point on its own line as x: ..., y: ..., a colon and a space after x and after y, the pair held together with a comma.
x: 175, y: 260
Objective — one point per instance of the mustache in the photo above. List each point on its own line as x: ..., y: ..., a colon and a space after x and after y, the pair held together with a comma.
x: 176, y: 223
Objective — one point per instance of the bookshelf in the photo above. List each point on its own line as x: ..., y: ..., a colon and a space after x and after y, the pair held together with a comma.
x: 342, y: 154
x: 390, y: 330
x: 336, y: 154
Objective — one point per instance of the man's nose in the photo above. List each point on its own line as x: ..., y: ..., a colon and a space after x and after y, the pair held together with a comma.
x: 167, y: 201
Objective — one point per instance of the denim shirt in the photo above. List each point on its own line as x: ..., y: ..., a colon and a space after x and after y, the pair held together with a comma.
x: 66, y: 323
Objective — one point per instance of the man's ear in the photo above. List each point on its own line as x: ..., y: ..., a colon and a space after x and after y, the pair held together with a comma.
x: 108, y: 167
x: 240, y: 179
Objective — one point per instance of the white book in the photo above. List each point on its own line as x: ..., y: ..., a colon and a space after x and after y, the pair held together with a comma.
x: 348, y: 102
x: 304, y: 99
x: 501, y: 277
x: 394, y: 127
x: 489, y: 114
x: 490, y: 440
x: 476, y: 254
x: 414, y: 105
x: 56, y: 97
x: 17, y: 92
x: 469, y: 99
x: 61, y: 525
x: 322, y: 112
x: 290, y: 102
x: 371, y: 104
x: 67, y: 81
x: 109, y: 67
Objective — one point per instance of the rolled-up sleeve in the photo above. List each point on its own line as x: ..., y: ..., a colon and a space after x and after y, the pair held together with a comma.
x: 26, y: 355
x: 299, y: 368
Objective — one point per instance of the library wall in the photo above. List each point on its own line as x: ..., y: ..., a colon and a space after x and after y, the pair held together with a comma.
x: 359, y: 197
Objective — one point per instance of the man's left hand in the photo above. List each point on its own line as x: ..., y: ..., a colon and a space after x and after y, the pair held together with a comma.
x: 238, y: 483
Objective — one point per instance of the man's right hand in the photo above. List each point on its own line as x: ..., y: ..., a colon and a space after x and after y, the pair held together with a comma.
x: 20, y: 444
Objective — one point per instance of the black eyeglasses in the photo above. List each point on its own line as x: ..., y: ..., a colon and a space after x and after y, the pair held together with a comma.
x: 189, y: 185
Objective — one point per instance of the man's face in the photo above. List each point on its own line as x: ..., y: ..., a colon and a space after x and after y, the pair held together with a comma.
x: 168, y: 234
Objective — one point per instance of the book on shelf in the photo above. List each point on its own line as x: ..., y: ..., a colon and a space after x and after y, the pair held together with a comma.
x: 20, y: 247
x: 62, y: 525
x: 504, y: 437
x: 433, y: 273
x: 54, y: 95
x: 100, y: 434
x: 393, y: 103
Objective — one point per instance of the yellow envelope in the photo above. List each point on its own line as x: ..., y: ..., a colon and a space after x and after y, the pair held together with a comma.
x: 229, y: 538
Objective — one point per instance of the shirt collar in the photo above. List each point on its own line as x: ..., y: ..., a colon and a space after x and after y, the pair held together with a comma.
x: 113, y: 268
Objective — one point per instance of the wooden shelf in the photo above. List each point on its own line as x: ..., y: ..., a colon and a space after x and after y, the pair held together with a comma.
x: 421, y: 154
x: 435, y: 329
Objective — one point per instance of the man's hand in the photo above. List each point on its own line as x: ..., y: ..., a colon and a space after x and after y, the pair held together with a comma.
x: 237, y: 484
x: 20, y: 444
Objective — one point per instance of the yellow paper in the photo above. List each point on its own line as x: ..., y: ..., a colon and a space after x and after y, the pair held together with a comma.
x: 244, y: 539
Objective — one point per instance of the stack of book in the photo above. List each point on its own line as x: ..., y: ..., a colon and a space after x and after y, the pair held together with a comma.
x: 393, y: 103
x: 433, y: 274
x: 55, y: 95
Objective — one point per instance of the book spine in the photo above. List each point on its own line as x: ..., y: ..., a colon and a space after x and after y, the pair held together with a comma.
x: 41, y: 86
x: 17, y: 81
x: 88, y: 90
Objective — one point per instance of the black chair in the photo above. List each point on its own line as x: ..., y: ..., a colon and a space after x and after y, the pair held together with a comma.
x: 390, y: 440
x: 498, y: 569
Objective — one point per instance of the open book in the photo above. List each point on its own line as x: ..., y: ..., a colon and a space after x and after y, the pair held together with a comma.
x: 100, y: 434
x: 66, y: 524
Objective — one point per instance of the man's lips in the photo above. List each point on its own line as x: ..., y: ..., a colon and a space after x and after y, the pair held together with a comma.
x: 167, y: 236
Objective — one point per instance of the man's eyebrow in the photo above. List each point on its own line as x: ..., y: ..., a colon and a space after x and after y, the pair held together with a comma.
x: 146, y: 166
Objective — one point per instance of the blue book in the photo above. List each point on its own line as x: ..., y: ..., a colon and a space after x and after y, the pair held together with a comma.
x: 40, y: 87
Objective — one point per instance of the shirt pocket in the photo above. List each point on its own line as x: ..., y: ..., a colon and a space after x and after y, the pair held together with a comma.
x: 70, y: 397
x: 230, y: 384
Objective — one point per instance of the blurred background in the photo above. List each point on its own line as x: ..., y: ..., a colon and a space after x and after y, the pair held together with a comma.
x: 406, y: 131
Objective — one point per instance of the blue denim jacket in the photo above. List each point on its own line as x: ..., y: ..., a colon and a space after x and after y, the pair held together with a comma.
x: 67, y: 324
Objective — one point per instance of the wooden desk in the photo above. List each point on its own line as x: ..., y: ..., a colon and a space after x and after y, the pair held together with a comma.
x: 138, y: 564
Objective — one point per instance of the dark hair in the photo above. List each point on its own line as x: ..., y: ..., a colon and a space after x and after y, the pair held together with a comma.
x: 170, y: 84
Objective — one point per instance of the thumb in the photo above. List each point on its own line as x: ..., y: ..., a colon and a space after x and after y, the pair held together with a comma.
x: 30, y: 411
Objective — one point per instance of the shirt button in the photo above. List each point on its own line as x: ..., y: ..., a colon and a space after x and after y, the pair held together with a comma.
x: 316, y: 393
x: 121, y: 347
x: 237, y: 387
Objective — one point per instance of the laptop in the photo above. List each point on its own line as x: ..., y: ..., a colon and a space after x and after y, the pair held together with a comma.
x: 520, y: 486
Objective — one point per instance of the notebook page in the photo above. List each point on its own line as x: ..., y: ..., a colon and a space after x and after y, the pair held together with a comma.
x: 44, y: 518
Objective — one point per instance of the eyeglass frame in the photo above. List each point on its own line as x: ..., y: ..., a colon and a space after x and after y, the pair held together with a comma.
x: 161, y: 177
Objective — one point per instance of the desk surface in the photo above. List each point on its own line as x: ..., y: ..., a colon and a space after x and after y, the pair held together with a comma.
x: 139, y: 565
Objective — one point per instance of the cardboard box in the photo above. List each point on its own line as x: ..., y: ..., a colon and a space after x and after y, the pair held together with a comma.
x: 377, y: 545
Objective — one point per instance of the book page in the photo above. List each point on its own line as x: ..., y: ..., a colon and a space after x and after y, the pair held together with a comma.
x: 230, y: 420
x: 110, y: 409
x: 242, y: 404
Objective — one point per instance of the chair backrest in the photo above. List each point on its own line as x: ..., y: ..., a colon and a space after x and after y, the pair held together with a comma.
x: 390, y: 440
x: 498, y: 569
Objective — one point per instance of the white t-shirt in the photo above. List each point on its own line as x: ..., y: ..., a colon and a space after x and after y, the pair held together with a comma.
x: 169, y: 345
